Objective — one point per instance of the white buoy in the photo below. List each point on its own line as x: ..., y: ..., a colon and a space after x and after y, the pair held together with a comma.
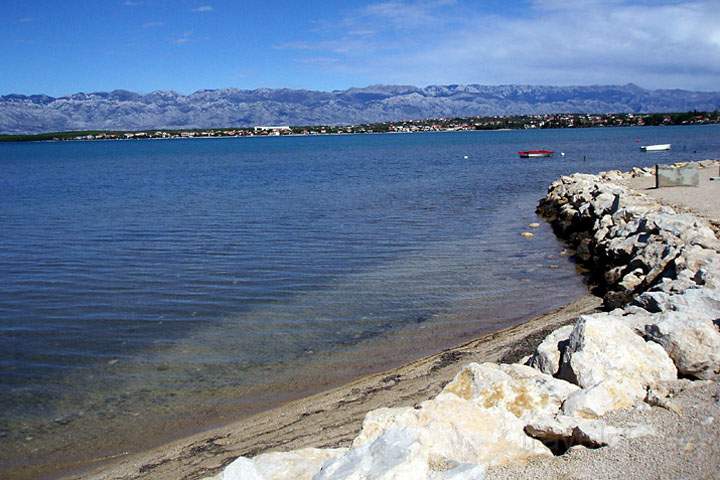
x: 562, y: 154
x: 466, y: 157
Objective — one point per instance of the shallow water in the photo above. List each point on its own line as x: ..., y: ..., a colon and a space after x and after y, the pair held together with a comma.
x: 176, y: 284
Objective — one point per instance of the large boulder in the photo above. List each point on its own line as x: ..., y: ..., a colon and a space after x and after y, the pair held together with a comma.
x: 693, y: 342
x: 704, y: 301
x: 701, y: 265
x: 686, y: 325
x: 612, y: 364
x: 602, y: 348
x: 687, y: 227
x: 521, y: 390
x: 546, y: 357
x: 595, y: 401
x: 445, y: 438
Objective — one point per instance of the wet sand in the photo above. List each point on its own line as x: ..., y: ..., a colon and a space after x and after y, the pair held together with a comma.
x: 331, y: 418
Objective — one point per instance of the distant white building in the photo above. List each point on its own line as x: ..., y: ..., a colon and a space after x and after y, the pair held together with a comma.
x: 272, y: 128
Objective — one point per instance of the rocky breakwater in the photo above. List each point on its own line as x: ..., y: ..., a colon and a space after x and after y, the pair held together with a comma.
x: 631, y: 243
x: 661, y: 267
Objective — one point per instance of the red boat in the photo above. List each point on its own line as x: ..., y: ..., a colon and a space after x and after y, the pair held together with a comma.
x: 536, y: 153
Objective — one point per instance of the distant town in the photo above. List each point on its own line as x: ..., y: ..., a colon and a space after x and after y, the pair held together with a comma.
x: 518, y: 122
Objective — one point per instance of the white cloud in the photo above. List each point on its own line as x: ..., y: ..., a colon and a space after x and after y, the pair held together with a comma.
x: 203, y: 9
x: 657, y: 44
x: 184, y: 38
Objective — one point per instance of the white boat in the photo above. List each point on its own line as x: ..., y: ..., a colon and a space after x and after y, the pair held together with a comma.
x: 656, y: 148
x: 536, y: 153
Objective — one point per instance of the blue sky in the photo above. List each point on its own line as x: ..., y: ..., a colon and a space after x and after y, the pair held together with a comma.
x: 58, y: 48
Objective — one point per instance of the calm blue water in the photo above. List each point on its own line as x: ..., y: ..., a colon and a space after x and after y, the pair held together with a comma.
x: 156, y: 278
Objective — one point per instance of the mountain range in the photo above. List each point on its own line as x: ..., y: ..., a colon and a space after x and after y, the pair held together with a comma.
x: 124, y: 110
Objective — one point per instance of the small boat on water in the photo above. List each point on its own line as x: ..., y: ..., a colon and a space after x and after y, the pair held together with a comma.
x: 656, y: 148
x: 535, y: 153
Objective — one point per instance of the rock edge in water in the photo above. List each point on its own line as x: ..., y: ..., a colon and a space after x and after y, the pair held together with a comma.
x: 659, y: 267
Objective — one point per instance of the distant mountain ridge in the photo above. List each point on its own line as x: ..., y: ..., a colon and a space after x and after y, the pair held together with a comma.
x: 124, y: 110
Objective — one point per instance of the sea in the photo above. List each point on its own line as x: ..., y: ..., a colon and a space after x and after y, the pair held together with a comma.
x: 152, y: 289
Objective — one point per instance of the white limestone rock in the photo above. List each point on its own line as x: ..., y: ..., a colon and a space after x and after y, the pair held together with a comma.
x: 692, y: 341
x: 519, y: 389
x: 636, y: 318
x: 687, y: 227
x: 694, y: 303
x: 444, y: 438
x: 570, y: 431
x: 301, y: 464
x: 621, y: 246
x: 612, y: 364
x: 606, y: 202
x: 547, y: 355
x: 375, y: 423
x: 702, y: 264
x: 595, y: 401
x: 655, y: 301
x: 602, y: 348
x: 699, y: 301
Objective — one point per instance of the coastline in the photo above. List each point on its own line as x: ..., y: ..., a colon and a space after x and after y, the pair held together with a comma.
x: 467, y: 124
x: 78, y: 429
x: 331, y: 418
x: 639, y: 378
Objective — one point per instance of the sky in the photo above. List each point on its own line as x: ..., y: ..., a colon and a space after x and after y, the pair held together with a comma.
x: 62, y: 47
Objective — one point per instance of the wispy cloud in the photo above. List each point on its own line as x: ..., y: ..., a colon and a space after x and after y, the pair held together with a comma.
x: 404, y: 14
x: 153, y: 24
x: 203, y: 9
x: 662, y: 43
x: 26, y: 20
x: 184, y: 38
x: 131, y: 3
x: 344, y: 45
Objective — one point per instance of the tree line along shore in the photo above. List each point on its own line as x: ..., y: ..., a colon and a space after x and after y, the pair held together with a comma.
x: 515, y: 122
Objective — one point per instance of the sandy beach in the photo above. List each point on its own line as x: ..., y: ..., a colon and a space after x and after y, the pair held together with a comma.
x: 331, y: 418
x: 701, y: 201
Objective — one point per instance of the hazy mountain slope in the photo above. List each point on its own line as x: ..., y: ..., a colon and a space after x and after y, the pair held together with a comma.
x: 124, y: 110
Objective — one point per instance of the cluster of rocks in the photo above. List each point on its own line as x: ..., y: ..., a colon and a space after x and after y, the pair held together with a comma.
x: 635, y: 243
x: 664, y: 265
